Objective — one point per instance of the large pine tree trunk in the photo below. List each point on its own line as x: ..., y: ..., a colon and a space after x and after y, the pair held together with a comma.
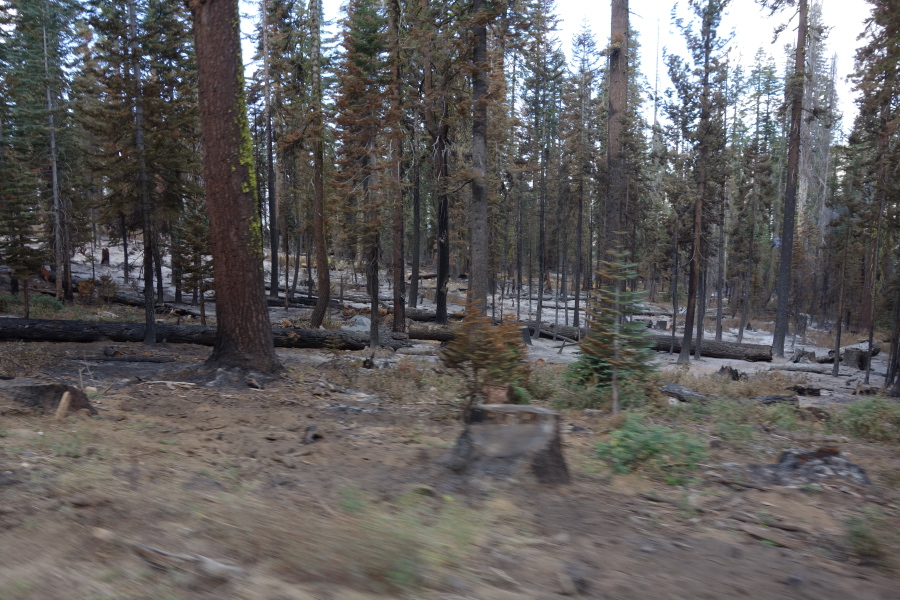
x: 790, y: 193
x: 243, y: 335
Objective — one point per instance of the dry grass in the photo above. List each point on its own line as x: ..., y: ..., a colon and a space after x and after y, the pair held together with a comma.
x: 762, y: 384
x: 379, y: 548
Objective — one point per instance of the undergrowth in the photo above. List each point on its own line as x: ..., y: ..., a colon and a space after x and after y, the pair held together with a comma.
x: 670, y: 453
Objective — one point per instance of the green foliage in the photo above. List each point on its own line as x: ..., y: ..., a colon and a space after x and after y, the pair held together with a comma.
x: 521, y: 395
x: 874, y: 419
x: 10, y: 302
x: 486, y: 354
x: 660, y: 449
x: 866, y: 535
x: 617, y: 348
x: 45, y: 305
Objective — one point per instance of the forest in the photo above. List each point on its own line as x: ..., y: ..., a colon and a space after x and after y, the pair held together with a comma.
x: 447, y: 140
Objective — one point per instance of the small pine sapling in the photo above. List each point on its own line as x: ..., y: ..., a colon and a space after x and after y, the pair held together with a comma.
x: 485, y: 354
x: 617, y: 348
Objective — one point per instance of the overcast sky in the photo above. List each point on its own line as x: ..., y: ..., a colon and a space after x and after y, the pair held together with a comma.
x: 752, y: 27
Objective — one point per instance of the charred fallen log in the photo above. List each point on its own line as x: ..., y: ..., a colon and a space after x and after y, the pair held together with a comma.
x: 714, y: 349
x: 40, y: 330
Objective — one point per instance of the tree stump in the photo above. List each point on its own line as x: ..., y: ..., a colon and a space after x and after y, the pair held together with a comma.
x: 24, y: 395
x: 104, y: 260
x: 505, y: 441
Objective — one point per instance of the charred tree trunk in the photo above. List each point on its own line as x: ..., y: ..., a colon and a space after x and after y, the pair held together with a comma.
x: 243, y: 335
x: 478, y: 274
x: 323, y: 274
x: 790, y: 193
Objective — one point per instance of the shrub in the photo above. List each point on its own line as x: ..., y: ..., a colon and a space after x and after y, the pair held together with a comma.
x: 45, y: 305
x: 10, y: 302
x: 866, y: 533
x: 486, y: 354
x: 874, y: 419
x: 661, y: 449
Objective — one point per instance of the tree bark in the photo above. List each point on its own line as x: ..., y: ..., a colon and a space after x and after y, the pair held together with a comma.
x: 478, y: 273
x: 243, y: 336
x: 270, y: 155
x: 323, y: 274
x: 790, y: 193
x: 618, y: 97
x: 143, y: 181
x: 399, y: 234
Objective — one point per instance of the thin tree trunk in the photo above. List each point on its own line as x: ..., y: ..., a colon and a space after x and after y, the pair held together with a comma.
x: 478, y: 274
x: 396, y: 141
x: 416, y: 250
x: 270, y: 155
x: 143, y: 183
x: 54, y: 176
x: 323, y: 271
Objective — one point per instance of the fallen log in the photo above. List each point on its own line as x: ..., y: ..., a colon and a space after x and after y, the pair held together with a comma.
x: 41, y: 330
x: 438, y: 333
x: 714, y: 349
x: 142, y: 359
x: 806, y: 368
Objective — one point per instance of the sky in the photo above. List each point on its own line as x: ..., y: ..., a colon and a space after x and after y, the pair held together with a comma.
x: 752, y: 27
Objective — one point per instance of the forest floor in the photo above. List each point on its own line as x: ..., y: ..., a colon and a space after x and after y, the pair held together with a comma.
x: 326, y: 485
x: 125, y: 504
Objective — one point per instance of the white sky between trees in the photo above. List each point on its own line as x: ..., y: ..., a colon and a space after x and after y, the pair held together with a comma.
x: 753, y: 29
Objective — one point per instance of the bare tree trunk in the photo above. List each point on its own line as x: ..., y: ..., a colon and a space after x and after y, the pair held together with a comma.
x: 399, y: 233
x: 416, y: 250
x: 618, y: 98
x: 58, y: 245
x: 323, y: 274
x: 243, y: 333
x: 143, y: 183
x: 270, y: 155
x: 478, y: 275
x: 790, y: 194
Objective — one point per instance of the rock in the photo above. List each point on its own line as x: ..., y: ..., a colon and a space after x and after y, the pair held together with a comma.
x: 504, y: 441
x: 683, y: 393
x: 716, y: 443
x: 769, y: 534
x: 593, y: 412
x: 567, y: 586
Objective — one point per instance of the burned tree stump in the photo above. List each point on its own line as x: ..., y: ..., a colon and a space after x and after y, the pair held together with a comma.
x: 505, y: 441
x: 23, y: 395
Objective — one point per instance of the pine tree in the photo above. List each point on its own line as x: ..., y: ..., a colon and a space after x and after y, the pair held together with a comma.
x: 616, y: 348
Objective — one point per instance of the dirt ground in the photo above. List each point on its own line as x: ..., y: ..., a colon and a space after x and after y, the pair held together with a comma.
x: 180, y: 491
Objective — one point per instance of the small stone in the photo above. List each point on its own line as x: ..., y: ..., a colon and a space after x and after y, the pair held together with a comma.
x: 288, y: 461
x: 592, y: 412
x: 566, y: 584
x: 716, y: 443
x: 648, y: 549
x: 272, y: 436
x: 562, y: 538
x: 793, y: 580
x: 456, y: 583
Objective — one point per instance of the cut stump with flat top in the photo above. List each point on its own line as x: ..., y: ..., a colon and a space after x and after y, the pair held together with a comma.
x: 505, y: 441
x: 26, y: 395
